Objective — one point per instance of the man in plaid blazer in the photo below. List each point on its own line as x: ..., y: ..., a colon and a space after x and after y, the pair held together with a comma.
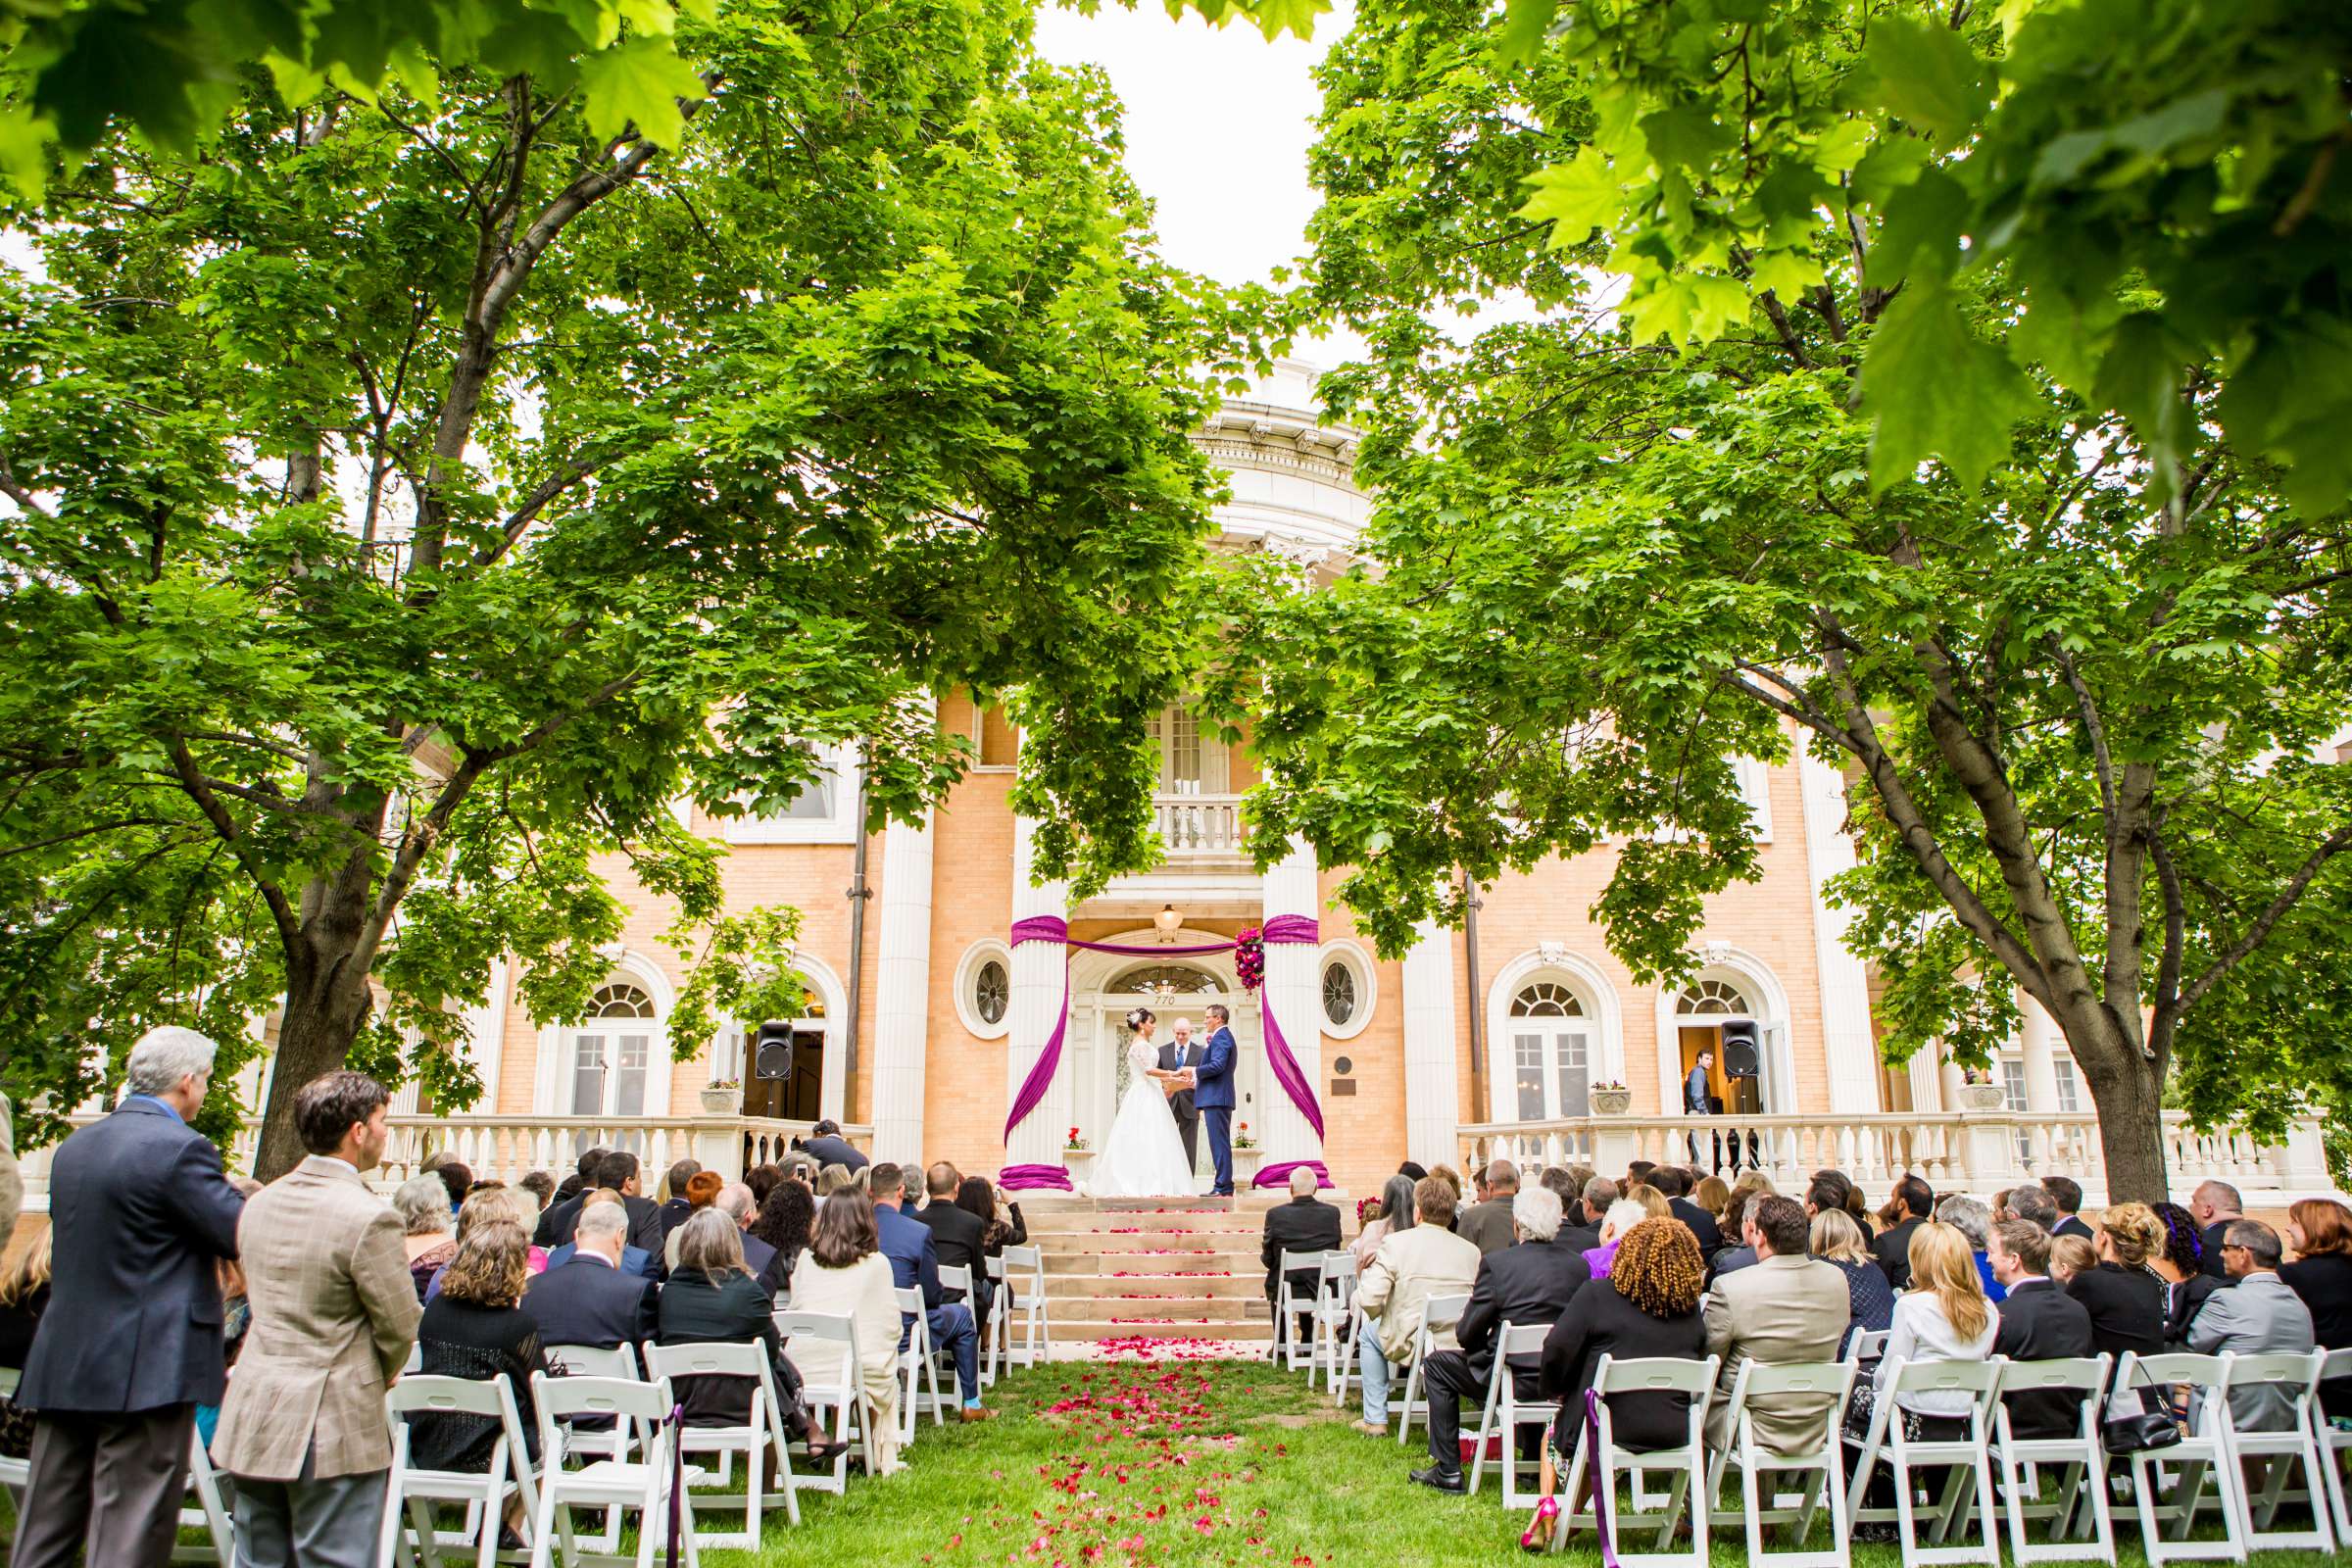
x: 334, y: 1314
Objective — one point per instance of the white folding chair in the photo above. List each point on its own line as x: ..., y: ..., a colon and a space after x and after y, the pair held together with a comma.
x: 642, y: 1486
x: 484, y: 1492
x: 2334, y: 1444
x: 2296, y: 1377
x: 2079, y: 1492
x: 1334, y: 1314
x: 1438, y: 1314
x: 1347, y: 1371
x: 1020, y: 1276
x: 1685, y: 1466
x: 956, y: 1277
x: 1504, y: 1414
x: 841, y: 1392
x: 763, y: 1427
x: 1288, y: 1308
x: 2202, y: 1453
x: 915, y: 1364
x: 1867, y: 1345
x: 209, y: 1512
x: 1793, y: 1388
x: 604, y: 1443
x: 415, y: 1362
x: 1968, y: 1458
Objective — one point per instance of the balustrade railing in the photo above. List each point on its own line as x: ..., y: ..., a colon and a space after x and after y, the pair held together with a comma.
x: 1200, y: 824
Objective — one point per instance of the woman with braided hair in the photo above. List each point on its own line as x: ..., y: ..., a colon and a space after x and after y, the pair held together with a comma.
x: 2181, y: 1267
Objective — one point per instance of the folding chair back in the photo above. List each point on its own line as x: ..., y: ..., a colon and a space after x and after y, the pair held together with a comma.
x: 1288, y: 1308
x: 763, y: 1425
x: 596, y: 1360
x: 2202, y: 1455
x: 915, y: 1362
x: 417, y: 1490
x: 1796, y: 1388
x: 1023, y: 1294
x: 2059, y: 1480
x: 1443, y: 1311
x: 1867, y: 1345
x: 1683, y: 1463
x: 2333, y: 1444
x: 643, y: 1485
x: 1334, y: 1314
x: 210, y: 1513
x: 841, y: 1390
x: 1504, y: 1414
x: 2294, y: 1379
x: 1963, y: 1459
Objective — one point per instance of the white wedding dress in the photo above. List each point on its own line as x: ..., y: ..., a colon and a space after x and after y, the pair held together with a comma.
x: 1143, y: 1157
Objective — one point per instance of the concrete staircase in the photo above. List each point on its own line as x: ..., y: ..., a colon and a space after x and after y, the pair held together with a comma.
x: 1163, y: 1268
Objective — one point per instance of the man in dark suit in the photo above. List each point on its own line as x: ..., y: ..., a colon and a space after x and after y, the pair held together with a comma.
x: 1212, y: 1096
x: 616, y: 1172
x: 2216, y: 1206
x: 914, y: 1264
x: 1525, y: 1284
x: 1488, y: 1222
x: 768, y: 1266
x: 1175, y: 1054
x: 957, y: 1236
x: 675, y: 1208
x: 1675, y: 1187
x: 1579, y: 1228
x: 130, y: 1343
x: 2039, y: 1322
x: 1304, y: 1224
x: 825, y: 1145
x: 1913, y: 1202
x: 566, y: 1211
x: 2067, y: 1194
x: 589, y: 1299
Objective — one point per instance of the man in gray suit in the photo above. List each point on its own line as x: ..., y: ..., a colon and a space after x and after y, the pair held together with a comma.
x: 2262, y: 1316
x: 131, y: 1343
x: 1174, y: 1055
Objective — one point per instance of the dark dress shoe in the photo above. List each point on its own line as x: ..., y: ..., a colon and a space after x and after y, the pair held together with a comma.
x: 1437, y: 1479
x: 824, y: 1454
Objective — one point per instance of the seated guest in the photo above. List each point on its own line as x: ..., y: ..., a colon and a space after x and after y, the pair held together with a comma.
x: 761, y: 1180
x: 1623, y: 1216
x: 1304, y: 1224
x: 1733, y: 1259
x: 702, y: 1190
x: 1714, y: 1194
x: 1565, y: 1184
x: 1869, y: 1299
x: 1408, y: 1267
x: 1972, y: 1220
x: 2071, y: 1256
x: 1673, y: 1184
x: 24, y: 1297
x: 1412, y: 1172
x: 959, y: 1237
x: 1826, y: 1190
x: 2320, y: 1230
x: 2039, y: 1322
x: 1372, y: 1382
x: 1637, y: 1174
x: 587, y: 1299
x: 844, y: 1273
x: 1582, y: 1232
x: 2067, y: 1194
x: 713, y: 1299
x: 566, y: 1211
x: 2216, y: 1206
x: 1528, y: 1283
x: 476, y: 1327
x: 915, y: 1266
x: 1648, y: 1198
x: 1648, y: 1306
x: 768, y: 1266
x: 784, y: 1223
x: 2259, y: 1315
x: 422, y: 1203
x: 675, y: 1207
x: 1786, y: 1311
x: 488, y: 1202
x: 1905, y: 1212
x: 1005, y: 1228
x: 831, y: 1179
x: 2181, y: 1267
x: 2035, y: 1203
x: 634, y: 1260
x: 2124, y: 1296
x: 456, y: 1180
x: 1488, y: 1222
x: 541, y: 1186
x: 1392, y: 1213
x: 1943, y: 1317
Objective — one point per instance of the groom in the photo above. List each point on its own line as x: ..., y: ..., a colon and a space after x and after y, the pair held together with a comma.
x: 1212, y: 1096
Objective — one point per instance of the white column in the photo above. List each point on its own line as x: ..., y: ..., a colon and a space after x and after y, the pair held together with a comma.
x: 1432, y: 1098
x: 1291, y: 989
x: 1845, y: 1038
x: 2038, y: 1043
x: 1040, y: 978
x: 902, y: 992
x: 1927, y: 1081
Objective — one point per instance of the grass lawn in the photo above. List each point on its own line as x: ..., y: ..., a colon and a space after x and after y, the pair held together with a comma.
x: 1220, y: 1464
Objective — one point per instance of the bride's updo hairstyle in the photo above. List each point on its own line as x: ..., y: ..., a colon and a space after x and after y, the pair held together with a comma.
x: 1139, y: 1017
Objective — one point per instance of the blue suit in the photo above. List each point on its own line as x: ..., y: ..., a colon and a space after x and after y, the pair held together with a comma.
x: 1213, y: 1099
x: 914, y: 1263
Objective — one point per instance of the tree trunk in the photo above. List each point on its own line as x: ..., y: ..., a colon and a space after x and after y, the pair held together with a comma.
x: 322, y: 1019
x: 2129, y: 1099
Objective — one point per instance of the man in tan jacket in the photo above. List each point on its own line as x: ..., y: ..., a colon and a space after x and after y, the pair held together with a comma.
x: 1412, y: 1265
x: 334, y: 1313
x: 1785, y: 1309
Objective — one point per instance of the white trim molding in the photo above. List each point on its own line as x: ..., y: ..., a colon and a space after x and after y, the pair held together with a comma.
x: 1719, y: 961
x: 1367, y: 985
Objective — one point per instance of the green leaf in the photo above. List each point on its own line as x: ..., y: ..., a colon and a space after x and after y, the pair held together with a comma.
x: 1929, y: 77
x: 1787, y: 273
x: 1933, y: 388
x: 2139, y: 376
x: 1575, y: 198
x: 1895, y: 162
x: 1922, y: 231
x: 638, y: 81
x: 1524, y: 25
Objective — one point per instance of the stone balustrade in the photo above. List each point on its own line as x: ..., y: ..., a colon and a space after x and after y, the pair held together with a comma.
x: 1973, y: 1152
x: 1196, y: 825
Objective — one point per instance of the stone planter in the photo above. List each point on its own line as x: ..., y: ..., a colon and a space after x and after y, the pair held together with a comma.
x: 722, y: 1101
x: 1984, y: 1097
x: 1612, y: 1102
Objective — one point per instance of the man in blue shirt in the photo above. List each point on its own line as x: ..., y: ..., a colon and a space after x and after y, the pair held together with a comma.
x: 914, y: 1262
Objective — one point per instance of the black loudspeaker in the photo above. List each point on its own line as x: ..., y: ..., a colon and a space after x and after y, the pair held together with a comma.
x: 1741, y: 1055
x: 772, y: 1050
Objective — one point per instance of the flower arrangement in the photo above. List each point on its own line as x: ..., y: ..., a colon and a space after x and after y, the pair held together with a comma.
x: 1077, y: 1140
x: 1610, y: 1083
x: 1242, y: 1138
x: 1249, y: 957
x: 724, y: 1082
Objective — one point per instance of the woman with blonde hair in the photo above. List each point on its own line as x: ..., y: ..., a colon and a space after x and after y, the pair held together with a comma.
x: 844, y: 1273
x: 1653, y: 1203
x: 2122, y: 1292
x: 1869, y: 1299
x: 1752, y: 1181
x: 1713, y: 1195
x: 1944, y: 1316
x: 2071, y: 1257
x: 24, y: 1297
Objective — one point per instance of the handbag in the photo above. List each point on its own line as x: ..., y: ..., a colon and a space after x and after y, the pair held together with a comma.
x: 2141, y: 1432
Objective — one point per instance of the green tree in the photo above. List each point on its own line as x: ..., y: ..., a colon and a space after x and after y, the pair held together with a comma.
x: 410, y: 499
x: 2082, y: 670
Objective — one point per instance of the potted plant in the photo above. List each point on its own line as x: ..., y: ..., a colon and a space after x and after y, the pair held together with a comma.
x: 1076, y: 1143
x: 1241, y: 1136
x: 1611, y: 1098
x: 722, y: 1096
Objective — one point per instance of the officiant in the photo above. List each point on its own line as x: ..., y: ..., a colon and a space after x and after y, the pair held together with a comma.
x: 1176, y: 1053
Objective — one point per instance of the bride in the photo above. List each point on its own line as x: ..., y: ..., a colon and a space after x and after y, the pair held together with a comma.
x: 1144, y: 1158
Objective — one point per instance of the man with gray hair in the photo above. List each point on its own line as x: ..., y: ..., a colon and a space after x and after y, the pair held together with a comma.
x: 130, y: 1343
x: 1524, y: 1284
x: 2262, y: 1316
x: 2035, y: 1203
x: 1972, y: 1220
x: 736, y: 1202
x: 1488, y: 1222
x: 1304, y: 1224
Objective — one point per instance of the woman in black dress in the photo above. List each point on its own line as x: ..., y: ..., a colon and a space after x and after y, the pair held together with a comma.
x: 2320, y: 1230
x: 476, y: 1327
x: 1646, y: 1306
x: 714, y: 1298
x: 786, y: 1216
x: 2122, y: 1292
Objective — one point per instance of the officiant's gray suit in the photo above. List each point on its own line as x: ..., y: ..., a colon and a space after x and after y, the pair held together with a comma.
x: 1180, y: 1103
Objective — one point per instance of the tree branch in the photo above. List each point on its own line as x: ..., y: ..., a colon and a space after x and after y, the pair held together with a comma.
x: 2330, y: 846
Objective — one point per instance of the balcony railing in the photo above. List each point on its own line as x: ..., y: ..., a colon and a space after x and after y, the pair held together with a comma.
x: 1193, y: 826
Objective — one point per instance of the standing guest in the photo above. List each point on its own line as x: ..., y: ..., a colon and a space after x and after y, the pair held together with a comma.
x: 1699, y: 1100
x: 2259, y: 1315
x: 2320, y: 1230
x: 1905, y: 1212
x: 1786, y: 1309
x: 1943, y: 1317
x: 2181, y: 1267
x: 1410, y: 1266
x: 915, y: 1266
x: 844, y: 1274
x: 825, y: 1145
x: 1372, y: 1368
x: 567, y: 1209
x: 2039, y: 1322
x: 587, y: 1299
x: 959, y: 1238
x: 784, y: 1223
x: 1838, y: 1242
x: 541, y: 1186
x: 1648, y: 1307
x: 24, y: 1297
x: 1972, y: 1220
x: 2067, y: 1194
x: 2216, y: 1206
x: 422, y: 1204
x: 713, y: 1299
x: 333, y: 1317
x: 1623, y: 1216
x: 2122, y: 1295
x: 1673, y: 1185
x: 131, y: 1343
x: 1487, y: 1223
x: 476, y: 1329
x: 675, y: 1207
x: 1527, y: 1284
x: 1597, y: 1195
x: 702, y: 1190
x: 1304, y: 1224
x: 2071, y: 1257
x: 2035, y: 1203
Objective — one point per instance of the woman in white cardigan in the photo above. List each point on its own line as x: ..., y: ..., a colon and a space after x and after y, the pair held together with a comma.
x: 843, y: 1274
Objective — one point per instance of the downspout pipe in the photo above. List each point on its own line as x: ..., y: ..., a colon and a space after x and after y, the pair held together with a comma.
x: 1478, y: 1014
x: 859, y: 894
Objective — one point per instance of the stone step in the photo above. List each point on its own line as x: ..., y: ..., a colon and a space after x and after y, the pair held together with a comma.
x: 1155, y: 1260
x: 1086, y: 1286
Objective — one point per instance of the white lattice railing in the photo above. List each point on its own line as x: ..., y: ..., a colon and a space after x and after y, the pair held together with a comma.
x: 1200, y: 824
x: 1975, y: 1152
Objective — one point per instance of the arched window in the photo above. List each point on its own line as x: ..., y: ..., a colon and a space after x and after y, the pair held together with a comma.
x: 1552, y: 1052
x: 611, y: 1052
x: 1166, y: 980
x: 1713, y: 999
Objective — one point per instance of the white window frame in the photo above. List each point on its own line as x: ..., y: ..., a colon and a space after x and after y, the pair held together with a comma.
x: 2069, y: 1084
x: 839, y: 826
x: 1367, y: 989
x: 967, y: 975
x: 1552, y: 1037
x: 1755, y: 788
x: 552, y: 1088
